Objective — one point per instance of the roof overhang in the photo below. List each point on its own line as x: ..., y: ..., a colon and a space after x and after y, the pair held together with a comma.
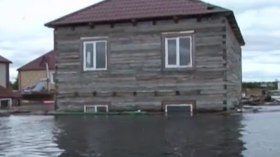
x: 229, y: 15
x: 235, y: 28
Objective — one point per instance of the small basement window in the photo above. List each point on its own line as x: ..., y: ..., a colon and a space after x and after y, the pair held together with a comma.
x: 5, y: 103
x: 95, y: 108
x: 169, y: 108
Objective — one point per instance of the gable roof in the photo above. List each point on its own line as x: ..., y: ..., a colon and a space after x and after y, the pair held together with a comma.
x: 7, y: 93
x: 39, y: 63
x: 111, y: 10
x: 120, y: 10
x: 4, y: 60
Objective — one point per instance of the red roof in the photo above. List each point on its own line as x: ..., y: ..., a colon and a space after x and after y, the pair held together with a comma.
x: 120, y: 10
x: 109, y: 10
x: 4, y: 60
x: 39, y: 63
x: 7, y: 93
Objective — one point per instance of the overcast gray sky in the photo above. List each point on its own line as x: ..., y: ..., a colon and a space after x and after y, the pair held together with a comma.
x: 23, y: 36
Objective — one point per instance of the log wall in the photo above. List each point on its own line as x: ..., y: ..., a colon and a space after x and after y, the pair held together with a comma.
x: 135, y: 78
x: 234, y: 68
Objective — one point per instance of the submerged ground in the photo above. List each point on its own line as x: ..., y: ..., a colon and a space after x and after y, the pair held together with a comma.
x: 249, y: 135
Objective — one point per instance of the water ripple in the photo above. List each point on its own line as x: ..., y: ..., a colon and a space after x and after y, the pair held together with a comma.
x: 250, y: 135
x: 28, y: 135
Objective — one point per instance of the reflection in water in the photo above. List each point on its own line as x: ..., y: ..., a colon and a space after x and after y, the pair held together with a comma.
x: 140, y: 136
x: 261, y: 135
x: 145, y: 136
x: 28, y: 136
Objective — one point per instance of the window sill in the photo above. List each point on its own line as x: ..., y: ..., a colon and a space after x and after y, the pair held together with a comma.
x: 89, y: 70
x: 181, y: 68
x: 102, y: 71
x: 177, y: 67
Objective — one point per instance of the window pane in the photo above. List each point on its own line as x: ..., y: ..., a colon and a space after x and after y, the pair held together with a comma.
x: 185, y: 51
x: 100, y: 55
x: 89, y: 55
x: 171, y: 51
x: 51, y: 77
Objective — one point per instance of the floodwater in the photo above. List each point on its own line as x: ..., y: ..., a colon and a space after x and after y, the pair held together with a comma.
x: 248, y: 135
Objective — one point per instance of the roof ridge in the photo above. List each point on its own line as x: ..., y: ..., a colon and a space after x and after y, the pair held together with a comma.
x: 52, y: 23
x: 75, y: 12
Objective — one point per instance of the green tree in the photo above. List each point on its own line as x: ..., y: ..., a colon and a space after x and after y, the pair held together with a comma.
x: 14, y: 85
x: 265, y: 85
x: 11, y: 84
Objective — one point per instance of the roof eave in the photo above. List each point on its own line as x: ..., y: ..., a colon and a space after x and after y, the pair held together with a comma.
x: 48, y: 25
x: 22, y: 68
x: 6, y: 62
x: 236, y: 27
x: 53, y: 24
x: 229, y: 13
x: 34, y: 69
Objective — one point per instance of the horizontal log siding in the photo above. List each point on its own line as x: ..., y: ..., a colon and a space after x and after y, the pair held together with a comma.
x: 234, y: 65
x: 135, y: 65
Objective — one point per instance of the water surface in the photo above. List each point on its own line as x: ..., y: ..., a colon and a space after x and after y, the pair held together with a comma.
x: 250, y: 135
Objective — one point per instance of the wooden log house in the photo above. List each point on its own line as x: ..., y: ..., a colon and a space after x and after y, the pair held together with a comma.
x: 148, y: 54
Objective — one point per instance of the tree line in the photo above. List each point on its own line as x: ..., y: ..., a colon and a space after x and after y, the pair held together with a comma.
x: 272, y: 85
x: 14, y: 85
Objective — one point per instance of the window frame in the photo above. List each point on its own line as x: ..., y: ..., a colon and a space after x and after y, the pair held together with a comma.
x: 51, y: 77
x: 177, y: 38
x: 94, y: 55
x: 179, y: 105
x: 191, y: 103
x: 96, y: 107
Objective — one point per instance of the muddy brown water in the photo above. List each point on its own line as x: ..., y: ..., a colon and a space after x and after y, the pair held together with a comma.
x: 249, y: 135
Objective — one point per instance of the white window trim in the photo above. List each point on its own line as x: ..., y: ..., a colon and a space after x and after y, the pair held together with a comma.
x: 181, y: 32
x: 94, y: 55
x: 95, y: 107
x: 178, y: 52
x: 51, y: 77
x: 93, y: 38
x: 10, y: 102
x: 179, y: 105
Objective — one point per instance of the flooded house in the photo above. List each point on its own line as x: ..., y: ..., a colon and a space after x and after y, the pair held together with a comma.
x: 36, y: 70
x: 36, y: 78
x: 7, y: 96
x: 148, y: 55
x: 4, y: 72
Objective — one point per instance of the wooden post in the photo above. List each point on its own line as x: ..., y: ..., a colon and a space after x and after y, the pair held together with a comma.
x: 48, y: 77
x: 10, y: 103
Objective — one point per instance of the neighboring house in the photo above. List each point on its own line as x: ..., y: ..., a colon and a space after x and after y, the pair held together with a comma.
x: 6, y: 94
x: 148, y: 55
x: 4, y: 72
x: 34, y: 71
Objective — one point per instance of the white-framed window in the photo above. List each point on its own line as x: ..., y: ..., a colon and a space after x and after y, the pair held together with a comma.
x: 179, y: 107
x: 96, y: 108
x: 95, y: 55
x: 51, y: 77
x: 6, y: 103
x: 178, y: 52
